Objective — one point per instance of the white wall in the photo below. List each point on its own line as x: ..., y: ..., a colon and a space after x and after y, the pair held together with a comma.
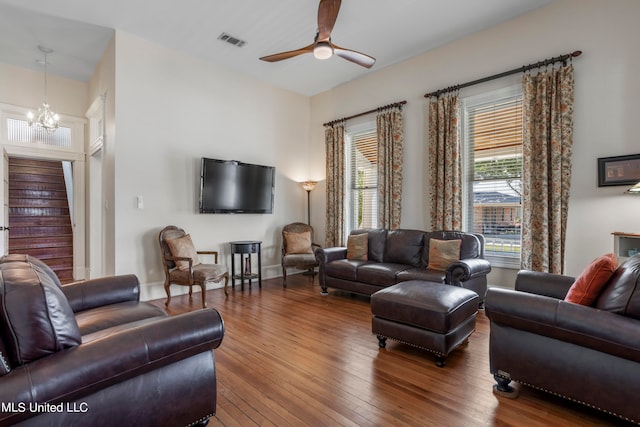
x: 172, y: 109
x: 25, y: 88
x: 605, y: 116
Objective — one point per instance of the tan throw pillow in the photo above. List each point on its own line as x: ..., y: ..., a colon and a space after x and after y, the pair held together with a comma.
x: 358, y: 246
x: 183, y: 247
x: 298, y: 243
x: 443, y: 253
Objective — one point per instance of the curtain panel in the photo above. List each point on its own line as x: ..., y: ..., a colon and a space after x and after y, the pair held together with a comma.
x: 445, y: 163
x: 390, y: 131
x: 334, y: 141
x: 547, y: 147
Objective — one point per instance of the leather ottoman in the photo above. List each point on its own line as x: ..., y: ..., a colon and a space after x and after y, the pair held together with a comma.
x: 428, y: 315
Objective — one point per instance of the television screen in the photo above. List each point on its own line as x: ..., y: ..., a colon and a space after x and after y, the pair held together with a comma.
x: 229, y: 186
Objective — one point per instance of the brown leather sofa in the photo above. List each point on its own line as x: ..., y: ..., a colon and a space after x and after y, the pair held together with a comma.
x: 91, y: 354
x: 399, y: 255
x: 586, y: 354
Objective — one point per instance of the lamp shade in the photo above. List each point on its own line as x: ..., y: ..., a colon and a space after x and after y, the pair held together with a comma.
x: 308, y: 185
x: 635, y: 189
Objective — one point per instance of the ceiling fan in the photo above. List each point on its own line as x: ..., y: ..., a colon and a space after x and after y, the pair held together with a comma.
x: 322, y: 47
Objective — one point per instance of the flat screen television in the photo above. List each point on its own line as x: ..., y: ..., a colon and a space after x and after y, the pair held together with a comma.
x: 229, y: 186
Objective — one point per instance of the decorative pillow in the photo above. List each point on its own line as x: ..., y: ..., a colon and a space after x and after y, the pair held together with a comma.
x: 587, y: 287
x: 36, y: 317
x: 183, y: 247
x: 443, y: 253
x: 358, y: 246
x: 297, y: 243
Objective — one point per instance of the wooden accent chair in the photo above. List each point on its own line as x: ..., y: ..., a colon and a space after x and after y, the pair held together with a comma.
x: 182, y: 265
x: 298, y: 249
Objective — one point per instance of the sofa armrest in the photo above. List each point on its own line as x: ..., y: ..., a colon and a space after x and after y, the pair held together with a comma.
x: 547, y: 284
x: 564, y: 321
x: 96, y: 365
x: 326, y: 255
x: 92, y: 293
x: 463, y: 270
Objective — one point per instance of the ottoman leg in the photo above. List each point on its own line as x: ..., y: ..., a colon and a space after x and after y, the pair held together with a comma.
x: 382, y: 341
x: 440, y: 361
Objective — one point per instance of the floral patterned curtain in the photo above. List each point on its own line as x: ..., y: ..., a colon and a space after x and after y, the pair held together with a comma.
x: 334, y: 140
x: 547, y: 106
x: 390, y: 131
x: 445, y: 164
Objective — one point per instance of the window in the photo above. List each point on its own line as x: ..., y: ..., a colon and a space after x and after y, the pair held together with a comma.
x: 361, y: 194
x: 492, y: 143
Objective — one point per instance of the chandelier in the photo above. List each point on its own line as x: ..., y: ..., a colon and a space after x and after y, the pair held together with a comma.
x: 44, y: 118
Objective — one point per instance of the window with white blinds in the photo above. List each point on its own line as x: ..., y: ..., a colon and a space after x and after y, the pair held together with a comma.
x: 362, y: 176
x: 492, y: 141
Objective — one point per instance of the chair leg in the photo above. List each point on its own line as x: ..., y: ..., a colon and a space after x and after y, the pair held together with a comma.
x: 226, y: 283
x: 203, y: 286
x: 284, y: 276
x: 166, y: 289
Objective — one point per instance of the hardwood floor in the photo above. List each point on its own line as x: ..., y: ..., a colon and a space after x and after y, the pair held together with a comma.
x: 293, y: 357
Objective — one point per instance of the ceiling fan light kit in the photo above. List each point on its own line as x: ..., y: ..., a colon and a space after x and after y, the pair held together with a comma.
x: 322, y: 47
x: 323, y: 50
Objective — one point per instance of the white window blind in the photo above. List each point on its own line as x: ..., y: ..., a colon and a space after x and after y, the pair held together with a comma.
x: 362, y: 162
x: 492, y: 136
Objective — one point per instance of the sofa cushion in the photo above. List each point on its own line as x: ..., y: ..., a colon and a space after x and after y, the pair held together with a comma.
x: 35, y: 316
x: 443, y: 253
x: 421, y: 273
x: 358, y: 246
x: 377, y: 242
x: 379, y: 273
x: 112, y: 315
x: 621, y: 295
x: 587, y: 287
x: 183, y: 247
x: 297, y: 243
x: 32, y: 260
x: 404, y: 247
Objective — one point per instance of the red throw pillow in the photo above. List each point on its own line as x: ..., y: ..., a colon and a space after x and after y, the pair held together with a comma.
x: 586, y: 289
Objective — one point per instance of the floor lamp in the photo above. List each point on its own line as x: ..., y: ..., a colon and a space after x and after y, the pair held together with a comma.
x: 308, y: 187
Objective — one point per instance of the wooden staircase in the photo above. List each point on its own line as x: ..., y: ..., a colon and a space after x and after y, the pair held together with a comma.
x: 39, y: 220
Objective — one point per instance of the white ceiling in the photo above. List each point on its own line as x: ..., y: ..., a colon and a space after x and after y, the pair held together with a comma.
x: 390, y: 30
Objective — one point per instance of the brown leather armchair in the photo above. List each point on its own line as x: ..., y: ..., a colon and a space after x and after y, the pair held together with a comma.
x: 91, y: 353
x: 298, y: 249
x: 183, y: 267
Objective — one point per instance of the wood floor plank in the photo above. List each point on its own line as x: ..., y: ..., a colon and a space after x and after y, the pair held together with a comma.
x: 292, y: 357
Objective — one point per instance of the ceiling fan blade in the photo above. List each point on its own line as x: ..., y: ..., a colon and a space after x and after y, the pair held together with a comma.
x: 353, y: 56
x: 327, y: 15
x: 289, y: 54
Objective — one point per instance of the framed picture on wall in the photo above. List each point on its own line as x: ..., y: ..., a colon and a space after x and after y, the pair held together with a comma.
x: 619, y: 170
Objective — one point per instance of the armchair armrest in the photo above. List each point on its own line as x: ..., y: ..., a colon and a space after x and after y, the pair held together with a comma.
x: 547, y: 284
x: 96, y: 365
x: 465, y: 269
x: 92, y: 293
x: 567, y: 322
x: 214, y: 253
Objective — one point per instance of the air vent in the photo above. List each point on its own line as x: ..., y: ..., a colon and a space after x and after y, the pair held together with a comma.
x: 231, y: 40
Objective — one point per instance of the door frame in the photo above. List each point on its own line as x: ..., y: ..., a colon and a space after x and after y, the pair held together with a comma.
x: 74, y: 154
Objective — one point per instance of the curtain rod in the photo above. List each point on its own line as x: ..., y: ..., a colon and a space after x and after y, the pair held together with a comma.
x: 561, y: 58
x: 395, y: 104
